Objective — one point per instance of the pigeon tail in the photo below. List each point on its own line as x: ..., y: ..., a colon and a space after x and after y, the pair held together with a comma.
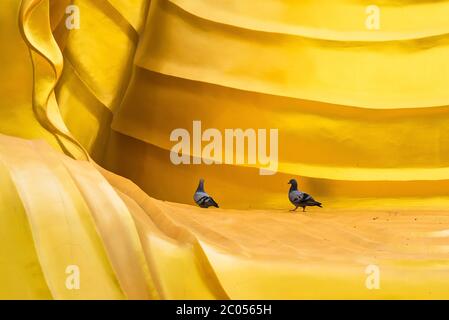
x: 213, y: 203
x: 316, y: 203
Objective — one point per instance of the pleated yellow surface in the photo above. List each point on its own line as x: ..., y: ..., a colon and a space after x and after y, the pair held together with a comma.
x: 356, y: 115
x: 353, y: 73
x: 62, y: 212
x: 16, y: 108
x: 362, y: 120
x: 327, y: 19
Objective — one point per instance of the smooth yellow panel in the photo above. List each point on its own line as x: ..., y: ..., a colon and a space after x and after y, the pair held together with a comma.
x: 102, y: 58
x: 63, y: 228
x: 315, y: 139
x: 328, y: 19
x: 379, y: 75
x: 21, y: 276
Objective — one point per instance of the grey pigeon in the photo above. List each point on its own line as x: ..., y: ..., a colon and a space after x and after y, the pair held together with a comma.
x: 202, y: 198
x: 300, y: 199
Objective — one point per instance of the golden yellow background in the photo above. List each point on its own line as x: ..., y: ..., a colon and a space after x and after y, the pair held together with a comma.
x: 362, y: 118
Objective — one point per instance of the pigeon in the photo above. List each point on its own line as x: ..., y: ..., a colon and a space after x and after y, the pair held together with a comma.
x: 202, y: 198
x: 300, y: 199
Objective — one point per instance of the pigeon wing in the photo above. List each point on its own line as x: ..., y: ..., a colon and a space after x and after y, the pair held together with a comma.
x: 204, y: 200
x: 308, y: 200
x: 200, y: 197
x: 295, y: 197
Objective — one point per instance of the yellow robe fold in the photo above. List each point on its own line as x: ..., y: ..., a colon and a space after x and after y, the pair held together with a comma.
x: 362, y: 118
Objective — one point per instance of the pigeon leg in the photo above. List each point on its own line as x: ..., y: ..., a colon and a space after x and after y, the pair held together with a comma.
x: 293, y: 210
x: 303, y: 209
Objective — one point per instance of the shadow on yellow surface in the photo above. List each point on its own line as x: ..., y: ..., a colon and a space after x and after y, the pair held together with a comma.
x: 62, y: 212
x: 362, y: 117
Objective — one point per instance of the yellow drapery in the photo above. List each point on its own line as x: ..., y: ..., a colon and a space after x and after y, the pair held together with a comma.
x: 361, y: 116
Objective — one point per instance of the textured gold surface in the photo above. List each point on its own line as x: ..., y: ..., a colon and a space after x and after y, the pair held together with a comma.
x: 362, y: 118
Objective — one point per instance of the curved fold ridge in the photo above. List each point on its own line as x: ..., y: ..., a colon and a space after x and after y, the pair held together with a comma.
x: 58, y: 12
x: 148, y: 166
x: 339, y: 245
x: 63, y: 230
x: 133, y: 11
x: 170, y: 245
x: 47, y: 64
x: 86, y: 117
x: 21, y: 274
x: 316, y: 139
x: 117, y: 229
x: 327, y: 19
x: 87, y: 50
x: 16, y: 110
x: 385, y: 75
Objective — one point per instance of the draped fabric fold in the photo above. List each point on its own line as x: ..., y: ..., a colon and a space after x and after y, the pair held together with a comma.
x: 87, y: 183
x: 344, y: 72
x: 47, y: 67
x: 327, y: 19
